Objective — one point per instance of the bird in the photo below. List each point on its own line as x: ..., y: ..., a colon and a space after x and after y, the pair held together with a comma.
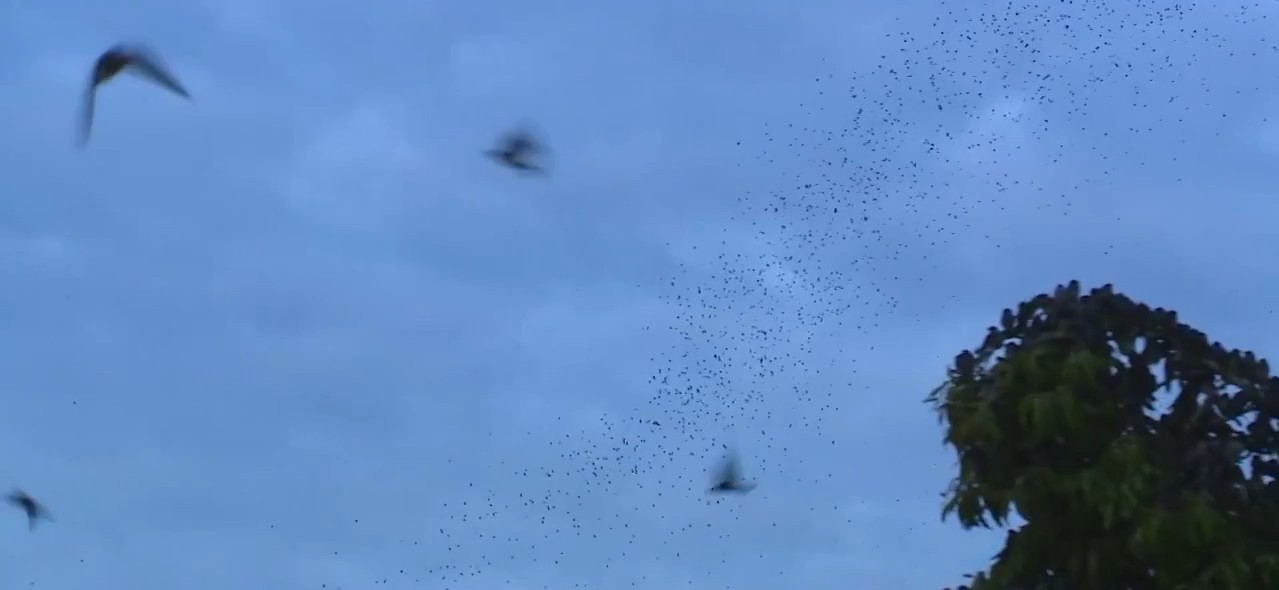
x: 515, y: 150
x: 119, y: 58
x: 35, y: 511
x: 729, y: 478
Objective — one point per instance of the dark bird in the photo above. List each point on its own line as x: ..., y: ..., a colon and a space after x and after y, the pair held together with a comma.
x: 729, y: 477
x: 35, y: 511
x: 119, y: 58
x: 516, y: 150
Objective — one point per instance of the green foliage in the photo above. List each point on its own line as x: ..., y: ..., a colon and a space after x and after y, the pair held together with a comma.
x: 1055, y: 417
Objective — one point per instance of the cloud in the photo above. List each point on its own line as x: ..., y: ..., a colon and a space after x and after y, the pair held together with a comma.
x: 240, y: 325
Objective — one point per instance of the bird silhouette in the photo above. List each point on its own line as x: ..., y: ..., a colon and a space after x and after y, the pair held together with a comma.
x: 117, y: 59
x: 516, y: 150
x: 35, y: 511
x: 729, y: 477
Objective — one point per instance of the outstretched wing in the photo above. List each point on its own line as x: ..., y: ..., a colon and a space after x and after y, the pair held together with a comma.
x: 520, y: 142
x: 148, y: 65
x: 732, y: 467
x: 728, y: 469
x: 35, y: 518
x: 17, y: 498
x: 86, y: 112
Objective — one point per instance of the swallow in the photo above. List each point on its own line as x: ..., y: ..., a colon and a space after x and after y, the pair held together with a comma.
x: 35, y: 511
x: 729, y: 479
x: 119, y: 58
x: 516, y: 149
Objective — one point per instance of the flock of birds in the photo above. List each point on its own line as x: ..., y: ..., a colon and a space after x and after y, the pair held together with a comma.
x: 862, y: 217
x: 968, y: 117
x: 885, y: 170
x: 518, y: 149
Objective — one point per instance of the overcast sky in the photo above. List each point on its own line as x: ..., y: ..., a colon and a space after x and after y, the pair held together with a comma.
x: 299, y: 333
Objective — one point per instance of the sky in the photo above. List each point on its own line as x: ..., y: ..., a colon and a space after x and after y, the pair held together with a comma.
x: 299, y: 333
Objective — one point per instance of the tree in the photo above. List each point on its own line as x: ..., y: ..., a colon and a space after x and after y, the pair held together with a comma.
x: 1140, y: 455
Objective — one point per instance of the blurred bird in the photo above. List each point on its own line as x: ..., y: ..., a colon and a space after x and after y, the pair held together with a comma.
x: 35, y: 511
x: 729, y: 479
x: 516, y: 149
x: 119, y: 58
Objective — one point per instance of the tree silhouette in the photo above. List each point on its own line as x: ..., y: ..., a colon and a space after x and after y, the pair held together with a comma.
x: 1140, y: 455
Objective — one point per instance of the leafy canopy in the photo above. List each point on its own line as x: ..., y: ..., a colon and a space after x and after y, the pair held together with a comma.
x: 1140, y: 455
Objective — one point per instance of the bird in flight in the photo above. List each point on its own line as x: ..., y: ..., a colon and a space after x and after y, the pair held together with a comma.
x: 729, y: 477
x: 35, y: 511
x: 118, y: 58
x: 516, y: 150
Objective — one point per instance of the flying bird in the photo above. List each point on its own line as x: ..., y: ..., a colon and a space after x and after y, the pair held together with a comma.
x: 516, y: 150
x: 35, y: 511
x: 119, y: 58
x: 729, y: 477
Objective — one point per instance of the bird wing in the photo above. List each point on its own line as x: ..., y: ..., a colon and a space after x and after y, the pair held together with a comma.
x: 149, y: 65
x: 728, y: 469
x: 520, y: 143
x: 86, y: 112
x: 521, y: 140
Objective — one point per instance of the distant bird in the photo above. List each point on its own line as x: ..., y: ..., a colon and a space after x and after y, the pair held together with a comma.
x: 35, y: 511
x: 729, y: 477
x: 516, y: 149
x: 119, y: 58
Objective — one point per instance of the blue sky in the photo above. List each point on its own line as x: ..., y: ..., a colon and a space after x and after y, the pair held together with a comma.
x: 299, y: 334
